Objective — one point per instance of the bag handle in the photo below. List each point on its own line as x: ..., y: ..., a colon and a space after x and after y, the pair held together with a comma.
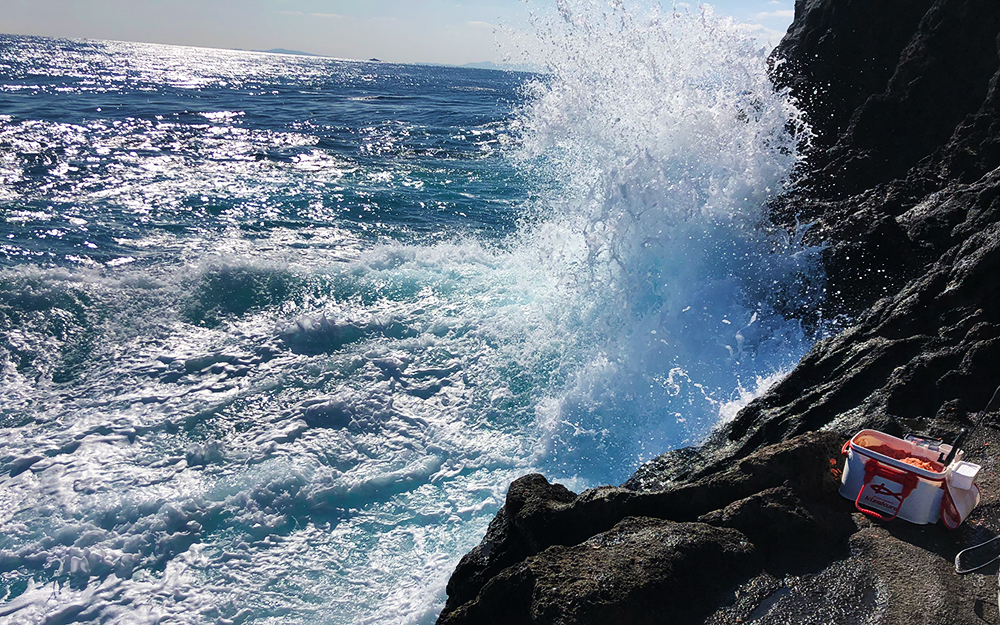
x: 907, y: 480
x: 950, y: 515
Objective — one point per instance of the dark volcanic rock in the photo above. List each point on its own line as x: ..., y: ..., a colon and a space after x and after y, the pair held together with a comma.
x: 541, y: 549
x: 640, y: 571
x: 836, y: 55
x: 901, y: 186
x: 886, y: 84
x: 779, y: 520
x: 531, y: 501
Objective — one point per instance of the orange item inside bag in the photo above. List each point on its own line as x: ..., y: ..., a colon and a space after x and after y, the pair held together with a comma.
x: 902, y: 456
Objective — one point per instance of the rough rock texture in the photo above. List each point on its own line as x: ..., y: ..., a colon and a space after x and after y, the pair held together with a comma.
x: 639, y: 571
x: 617, y: 554
x: 886, y: 84
x: 901, y: 186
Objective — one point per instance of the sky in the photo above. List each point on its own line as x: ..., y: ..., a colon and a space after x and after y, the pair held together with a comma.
x: 405, y: 31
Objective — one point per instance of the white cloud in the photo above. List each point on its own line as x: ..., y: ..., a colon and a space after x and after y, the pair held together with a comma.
x: 781, y: 13
x: 332, y: 16
x: 763, y: 34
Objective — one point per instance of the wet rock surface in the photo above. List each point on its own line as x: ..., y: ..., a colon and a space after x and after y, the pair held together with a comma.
x: 902, y: 187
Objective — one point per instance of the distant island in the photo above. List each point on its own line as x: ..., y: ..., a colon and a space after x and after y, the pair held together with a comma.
x: 505, y: 67
x: 284, y: 51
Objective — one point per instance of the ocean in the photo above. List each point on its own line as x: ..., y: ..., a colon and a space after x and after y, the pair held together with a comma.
x: 277, y: 331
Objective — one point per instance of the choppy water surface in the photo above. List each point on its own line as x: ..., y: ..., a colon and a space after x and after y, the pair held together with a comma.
x: 276, y: 332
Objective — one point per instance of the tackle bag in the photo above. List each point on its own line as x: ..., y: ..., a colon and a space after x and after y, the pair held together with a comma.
x: 885, y: 487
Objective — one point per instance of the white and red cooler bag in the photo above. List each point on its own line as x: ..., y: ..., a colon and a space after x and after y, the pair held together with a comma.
x: 885, y: 488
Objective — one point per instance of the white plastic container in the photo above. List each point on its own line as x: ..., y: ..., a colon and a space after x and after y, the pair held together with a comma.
x: 884, y: 487
x: 964, y: 474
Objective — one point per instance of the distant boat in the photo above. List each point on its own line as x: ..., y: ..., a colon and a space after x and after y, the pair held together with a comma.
x: 373, y: 59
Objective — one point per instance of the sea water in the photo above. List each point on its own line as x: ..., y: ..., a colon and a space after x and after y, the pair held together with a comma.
x: 276, y: 332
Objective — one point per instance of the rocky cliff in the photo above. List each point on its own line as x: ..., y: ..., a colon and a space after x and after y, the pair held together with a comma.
x: 901, y: 186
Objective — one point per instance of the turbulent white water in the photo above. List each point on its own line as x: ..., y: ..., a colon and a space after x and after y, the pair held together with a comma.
x: 304, y: 427
x: 668, y: 140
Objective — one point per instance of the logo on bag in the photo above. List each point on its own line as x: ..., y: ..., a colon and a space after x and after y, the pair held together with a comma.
x: 880, y: 489
x: 877, y: 494
x: 888, y: 506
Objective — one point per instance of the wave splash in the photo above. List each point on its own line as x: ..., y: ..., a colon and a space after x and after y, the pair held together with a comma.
x: 665, y: 140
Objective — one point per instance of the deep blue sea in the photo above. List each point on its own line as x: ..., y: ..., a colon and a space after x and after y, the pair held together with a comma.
x: 277, y: 331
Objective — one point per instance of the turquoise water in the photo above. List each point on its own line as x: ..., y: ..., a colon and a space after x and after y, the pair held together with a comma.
x: 276, y: 331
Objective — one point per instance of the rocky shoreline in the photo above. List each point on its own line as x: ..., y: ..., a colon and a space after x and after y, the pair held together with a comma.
x: 902, y: 187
